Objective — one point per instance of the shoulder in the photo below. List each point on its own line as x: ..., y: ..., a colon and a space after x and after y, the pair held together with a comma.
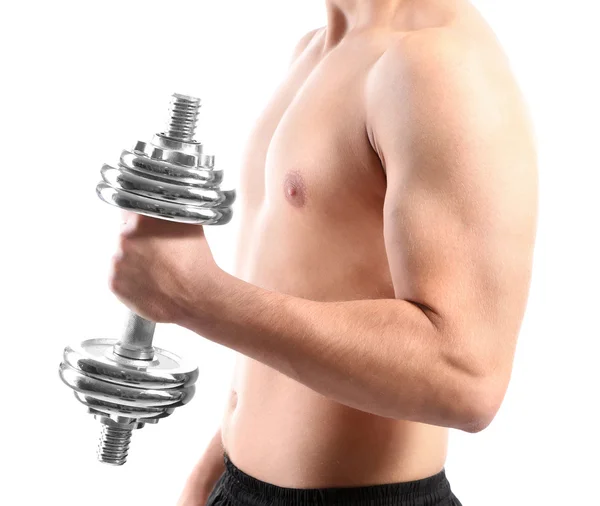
x: 438, y: 60
x: 441, y: 74
x: 445, y: 92
x: 303, y: 43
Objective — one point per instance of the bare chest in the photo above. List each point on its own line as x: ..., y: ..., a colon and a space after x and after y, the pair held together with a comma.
x: 312, y: 188
x: 309, y: 150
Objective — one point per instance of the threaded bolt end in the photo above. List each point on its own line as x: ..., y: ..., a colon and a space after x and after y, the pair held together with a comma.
x: 114, y: 445
x: 183, y: 117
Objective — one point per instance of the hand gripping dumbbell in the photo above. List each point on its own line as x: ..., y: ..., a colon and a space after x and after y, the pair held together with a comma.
x: 127, y: 383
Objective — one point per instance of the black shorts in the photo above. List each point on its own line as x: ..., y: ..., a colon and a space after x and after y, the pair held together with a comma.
x: 236, y: 488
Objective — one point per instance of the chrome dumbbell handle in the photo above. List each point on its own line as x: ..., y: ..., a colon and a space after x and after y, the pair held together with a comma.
x: 136, y: 342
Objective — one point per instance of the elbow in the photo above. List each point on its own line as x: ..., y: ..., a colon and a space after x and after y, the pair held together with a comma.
x: 476, y: 383
x: 481, y: 401
x: 477, y: 420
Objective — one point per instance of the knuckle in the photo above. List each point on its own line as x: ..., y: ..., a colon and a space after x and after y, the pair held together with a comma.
x: 113, y: 283
x: 124, y: 239
x: 114, y: 276
x: 118, y: 257
x: 125, y: 244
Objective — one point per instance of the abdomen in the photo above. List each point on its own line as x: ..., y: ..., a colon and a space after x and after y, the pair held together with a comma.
x: 283, y: 432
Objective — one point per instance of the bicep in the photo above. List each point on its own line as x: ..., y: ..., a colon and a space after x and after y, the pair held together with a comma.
x: 459, y: 212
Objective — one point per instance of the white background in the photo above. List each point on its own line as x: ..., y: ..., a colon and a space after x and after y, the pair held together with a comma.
x: 83, y: 80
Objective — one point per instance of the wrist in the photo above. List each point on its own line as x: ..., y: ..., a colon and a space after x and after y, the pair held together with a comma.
x: 201, y: 303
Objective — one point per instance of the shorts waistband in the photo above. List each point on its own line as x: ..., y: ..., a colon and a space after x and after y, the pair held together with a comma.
x: 245, y: 489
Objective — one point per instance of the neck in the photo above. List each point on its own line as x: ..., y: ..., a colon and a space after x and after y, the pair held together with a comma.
x: 346, y: 15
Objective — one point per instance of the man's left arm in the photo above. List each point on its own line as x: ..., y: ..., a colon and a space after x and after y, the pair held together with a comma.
x: 459, y: 226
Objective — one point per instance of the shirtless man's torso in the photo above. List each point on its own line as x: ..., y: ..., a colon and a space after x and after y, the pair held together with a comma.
x: 312, y: 195
x: 313, y: 200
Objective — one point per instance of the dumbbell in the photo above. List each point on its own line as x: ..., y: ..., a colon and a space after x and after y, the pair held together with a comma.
x: 126, y: 383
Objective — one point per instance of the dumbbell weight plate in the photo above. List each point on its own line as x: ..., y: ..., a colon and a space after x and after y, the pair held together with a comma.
x: 124, y: 179
x: 163, y: 209
x: 170, y: 172
x: 95, y: 357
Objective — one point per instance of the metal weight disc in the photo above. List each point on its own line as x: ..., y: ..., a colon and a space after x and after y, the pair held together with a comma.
x: 161, y: 209
x: 128, y: 180
x: 96, y: 357
x: 206, y: 177
x: 117, y: 386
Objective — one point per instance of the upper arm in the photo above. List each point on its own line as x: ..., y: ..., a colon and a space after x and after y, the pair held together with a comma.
x: 453, y: 135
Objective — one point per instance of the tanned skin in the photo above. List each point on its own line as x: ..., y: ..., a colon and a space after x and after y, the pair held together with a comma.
x: 388, y: 200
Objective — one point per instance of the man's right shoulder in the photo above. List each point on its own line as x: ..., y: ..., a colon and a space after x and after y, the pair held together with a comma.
x: 303, y: 43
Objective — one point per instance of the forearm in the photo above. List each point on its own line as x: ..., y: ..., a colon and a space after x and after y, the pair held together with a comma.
x: 382, y: 356
x: 212, y: 462
x: 205, y: 474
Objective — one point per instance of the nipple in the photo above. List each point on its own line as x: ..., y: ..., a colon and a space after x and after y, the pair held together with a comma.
x: 295, y: 189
